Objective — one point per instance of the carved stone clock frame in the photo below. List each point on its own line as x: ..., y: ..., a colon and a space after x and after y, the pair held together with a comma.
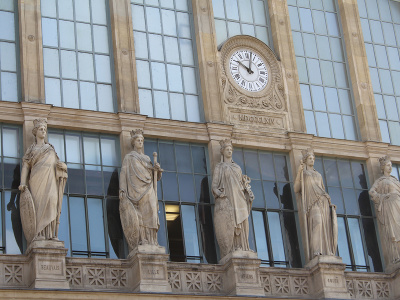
x: 265, y: 110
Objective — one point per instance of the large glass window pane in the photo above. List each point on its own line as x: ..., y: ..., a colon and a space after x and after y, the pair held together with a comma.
x: 321, y: 63
x: 81, y: 27
x: 168, y: 34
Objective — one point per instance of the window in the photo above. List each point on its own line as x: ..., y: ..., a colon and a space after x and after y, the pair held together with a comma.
x: 76, y: 54
x: 274, y: 232
x: 90, y: 225
x: 346, y: 183
x: 321, y: 64
x: 11, y: 240
x: 380, y: 21
x: 241, y: 17
x: 8, y: 51
x: 166, y: 59
x: 185, y: 210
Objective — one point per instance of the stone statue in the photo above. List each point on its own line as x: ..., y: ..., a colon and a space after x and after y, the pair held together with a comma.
x: 319, y: 213
x: 43, y: 180
x: 385, y: 193
x: 138, y: 195
x: 233, y: 200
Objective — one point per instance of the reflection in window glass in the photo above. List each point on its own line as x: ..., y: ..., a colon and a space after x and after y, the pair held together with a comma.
x: 11, y: 236
x: 346, y: 183
x: 241, y: 17
x: 91, y: 203
x: 274, y: 226
x: 166, y: 66
x: 8, y: 51
x: 380, y: 24
x: 324, y: 83
x: 184, y: 192
x: 76, y: 54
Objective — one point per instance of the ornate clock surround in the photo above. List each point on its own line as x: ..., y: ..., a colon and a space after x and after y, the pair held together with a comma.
x: 264, y: 109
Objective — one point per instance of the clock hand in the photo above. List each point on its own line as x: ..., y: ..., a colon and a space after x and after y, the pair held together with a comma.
x: 247, y: 69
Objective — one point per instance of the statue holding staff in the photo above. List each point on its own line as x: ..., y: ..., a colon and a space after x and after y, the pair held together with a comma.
x: 319, y: 213
x: 138, y: 195
x: 233, y: 201
x: 43, y: 180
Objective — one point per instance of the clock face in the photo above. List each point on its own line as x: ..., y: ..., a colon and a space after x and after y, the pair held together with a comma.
x: 248, y: 70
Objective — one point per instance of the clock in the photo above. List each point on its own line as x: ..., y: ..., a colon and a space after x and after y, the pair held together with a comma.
x: 248, y: 70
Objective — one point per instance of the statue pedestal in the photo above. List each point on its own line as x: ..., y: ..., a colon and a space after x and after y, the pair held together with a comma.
x: 242, y: 274
x: 47, y: 264
x: 327, y: 277
x: 149, y: 269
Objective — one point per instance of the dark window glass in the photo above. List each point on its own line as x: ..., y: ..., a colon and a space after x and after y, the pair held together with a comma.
x: 290, y: 235
x: 169, y: 186
x: 184, y: 161
x: 371, y: 242
x: 258, y: 194
x: 271, y: 194
x: 167, y: 156
x: 11, y: 234
x: 200, y: 163
x: 189, y: 232
x: 357, y: 241
x: 273, y: 204
x: 91, y: 223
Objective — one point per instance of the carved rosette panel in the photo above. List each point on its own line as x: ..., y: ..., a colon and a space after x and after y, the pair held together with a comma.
x: 118, y: 278
x: 261, y: 109
x: 382, y: 290
x: 13, y: 274
x: 265, y: 283
x: 364, y: 289
x: 74, y: 276
x: 174, y: 279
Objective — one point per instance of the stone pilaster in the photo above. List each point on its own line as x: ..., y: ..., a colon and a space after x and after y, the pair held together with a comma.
x: 124, y: 56
x: 327, y: 277
x: 359, y: 71
x: 207, y: 53
x: 242, y: 274
x: 47, y: 265
x: 149, y: 269
x: 284, y: 49
x: 31, y: 51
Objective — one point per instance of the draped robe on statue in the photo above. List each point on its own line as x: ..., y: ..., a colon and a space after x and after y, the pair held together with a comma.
x: 386, y: 195
x: 320, y: 216
x: 136, y: 180
x: 231, y: 220
x: 44, y: 186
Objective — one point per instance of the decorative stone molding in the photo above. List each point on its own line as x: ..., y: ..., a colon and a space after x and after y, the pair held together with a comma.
x: 265, y: 109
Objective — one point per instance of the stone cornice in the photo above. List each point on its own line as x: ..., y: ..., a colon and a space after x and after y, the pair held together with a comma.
x: 115, y: 123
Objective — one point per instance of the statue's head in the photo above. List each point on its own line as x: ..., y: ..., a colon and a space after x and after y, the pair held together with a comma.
x: 37, y: 124
x: 135, y: 135
x: 226, y: 148
x: 307, y: 153
x: 385, y: 161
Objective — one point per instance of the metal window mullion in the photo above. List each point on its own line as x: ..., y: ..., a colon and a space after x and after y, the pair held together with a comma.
x: 59, y: 54
x: 85, y: 196
x: 178, y: 37
x: 78, y: 81
x: 149, y: 59
x: 349, y: 243
x: 268, y: 238
x: 94, y: 56
x: 103, y: 203
x: 165, y: 60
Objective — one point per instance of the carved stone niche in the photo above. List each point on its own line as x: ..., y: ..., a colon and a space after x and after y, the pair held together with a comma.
x: 253, y: 105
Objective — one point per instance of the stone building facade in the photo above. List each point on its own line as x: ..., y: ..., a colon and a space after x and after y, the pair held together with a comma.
x: 97, y: 69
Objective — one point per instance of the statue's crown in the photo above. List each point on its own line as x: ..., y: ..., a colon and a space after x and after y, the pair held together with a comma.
x: 225, y: 143
x: 383, y: 160
x: 307, y: 152
x: 39, y: 122
x: 135, y: 133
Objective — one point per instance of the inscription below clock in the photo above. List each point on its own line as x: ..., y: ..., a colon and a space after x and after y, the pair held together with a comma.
x: 248, y: 70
